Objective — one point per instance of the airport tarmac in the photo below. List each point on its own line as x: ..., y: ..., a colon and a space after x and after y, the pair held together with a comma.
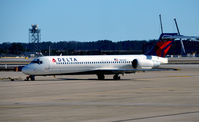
x: 159, y: 96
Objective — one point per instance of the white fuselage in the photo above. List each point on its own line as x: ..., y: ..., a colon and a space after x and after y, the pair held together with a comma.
x: 55, y: 65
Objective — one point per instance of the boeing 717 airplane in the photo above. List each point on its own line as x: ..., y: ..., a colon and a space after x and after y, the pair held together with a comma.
x: 104, y: 64
x: 101, y: 64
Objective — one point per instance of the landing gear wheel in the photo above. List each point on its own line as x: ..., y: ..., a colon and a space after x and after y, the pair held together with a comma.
x: 116, y: 77
x: 27, y: 78
x: 31, y: 77
x: 100, y: 76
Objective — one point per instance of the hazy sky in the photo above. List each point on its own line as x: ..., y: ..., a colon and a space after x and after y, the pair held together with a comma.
x: 92, y: 20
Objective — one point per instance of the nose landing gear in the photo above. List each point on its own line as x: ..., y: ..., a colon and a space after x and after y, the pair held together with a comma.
x: 31, y: 77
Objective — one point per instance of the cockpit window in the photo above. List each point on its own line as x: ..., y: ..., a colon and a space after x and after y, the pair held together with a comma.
x: 37, y: 61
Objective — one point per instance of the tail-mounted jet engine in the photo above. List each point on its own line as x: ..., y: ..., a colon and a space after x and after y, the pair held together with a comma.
x: 144, y: 64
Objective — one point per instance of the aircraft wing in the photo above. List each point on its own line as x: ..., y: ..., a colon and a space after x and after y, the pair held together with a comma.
x: 121, y: 71
x: 118, y: 71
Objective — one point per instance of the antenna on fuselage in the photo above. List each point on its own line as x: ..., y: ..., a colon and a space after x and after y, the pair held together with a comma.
x: 182, y: 45
x: 161, y: 23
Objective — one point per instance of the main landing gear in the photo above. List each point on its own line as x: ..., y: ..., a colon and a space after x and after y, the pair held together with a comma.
x: 116, y: 77
x: 101, y: 77
x: 31, y: 77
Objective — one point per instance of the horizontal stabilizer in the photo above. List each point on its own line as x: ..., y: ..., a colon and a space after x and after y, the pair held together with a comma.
x: 195, y: 38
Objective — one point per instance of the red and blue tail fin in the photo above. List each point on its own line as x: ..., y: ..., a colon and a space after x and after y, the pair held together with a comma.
x: 163, y: 45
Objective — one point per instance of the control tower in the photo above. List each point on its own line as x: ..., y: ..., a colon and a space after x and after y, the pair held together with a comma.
x: 35, y: 37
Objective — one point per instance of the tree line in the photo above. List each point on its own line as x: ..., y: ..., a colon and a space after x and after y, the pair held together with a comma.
x: 93, y: 48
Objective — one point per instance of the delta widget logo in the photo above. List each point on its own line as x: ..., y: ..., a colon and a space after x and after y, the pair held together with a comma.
x: 53, y: 60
